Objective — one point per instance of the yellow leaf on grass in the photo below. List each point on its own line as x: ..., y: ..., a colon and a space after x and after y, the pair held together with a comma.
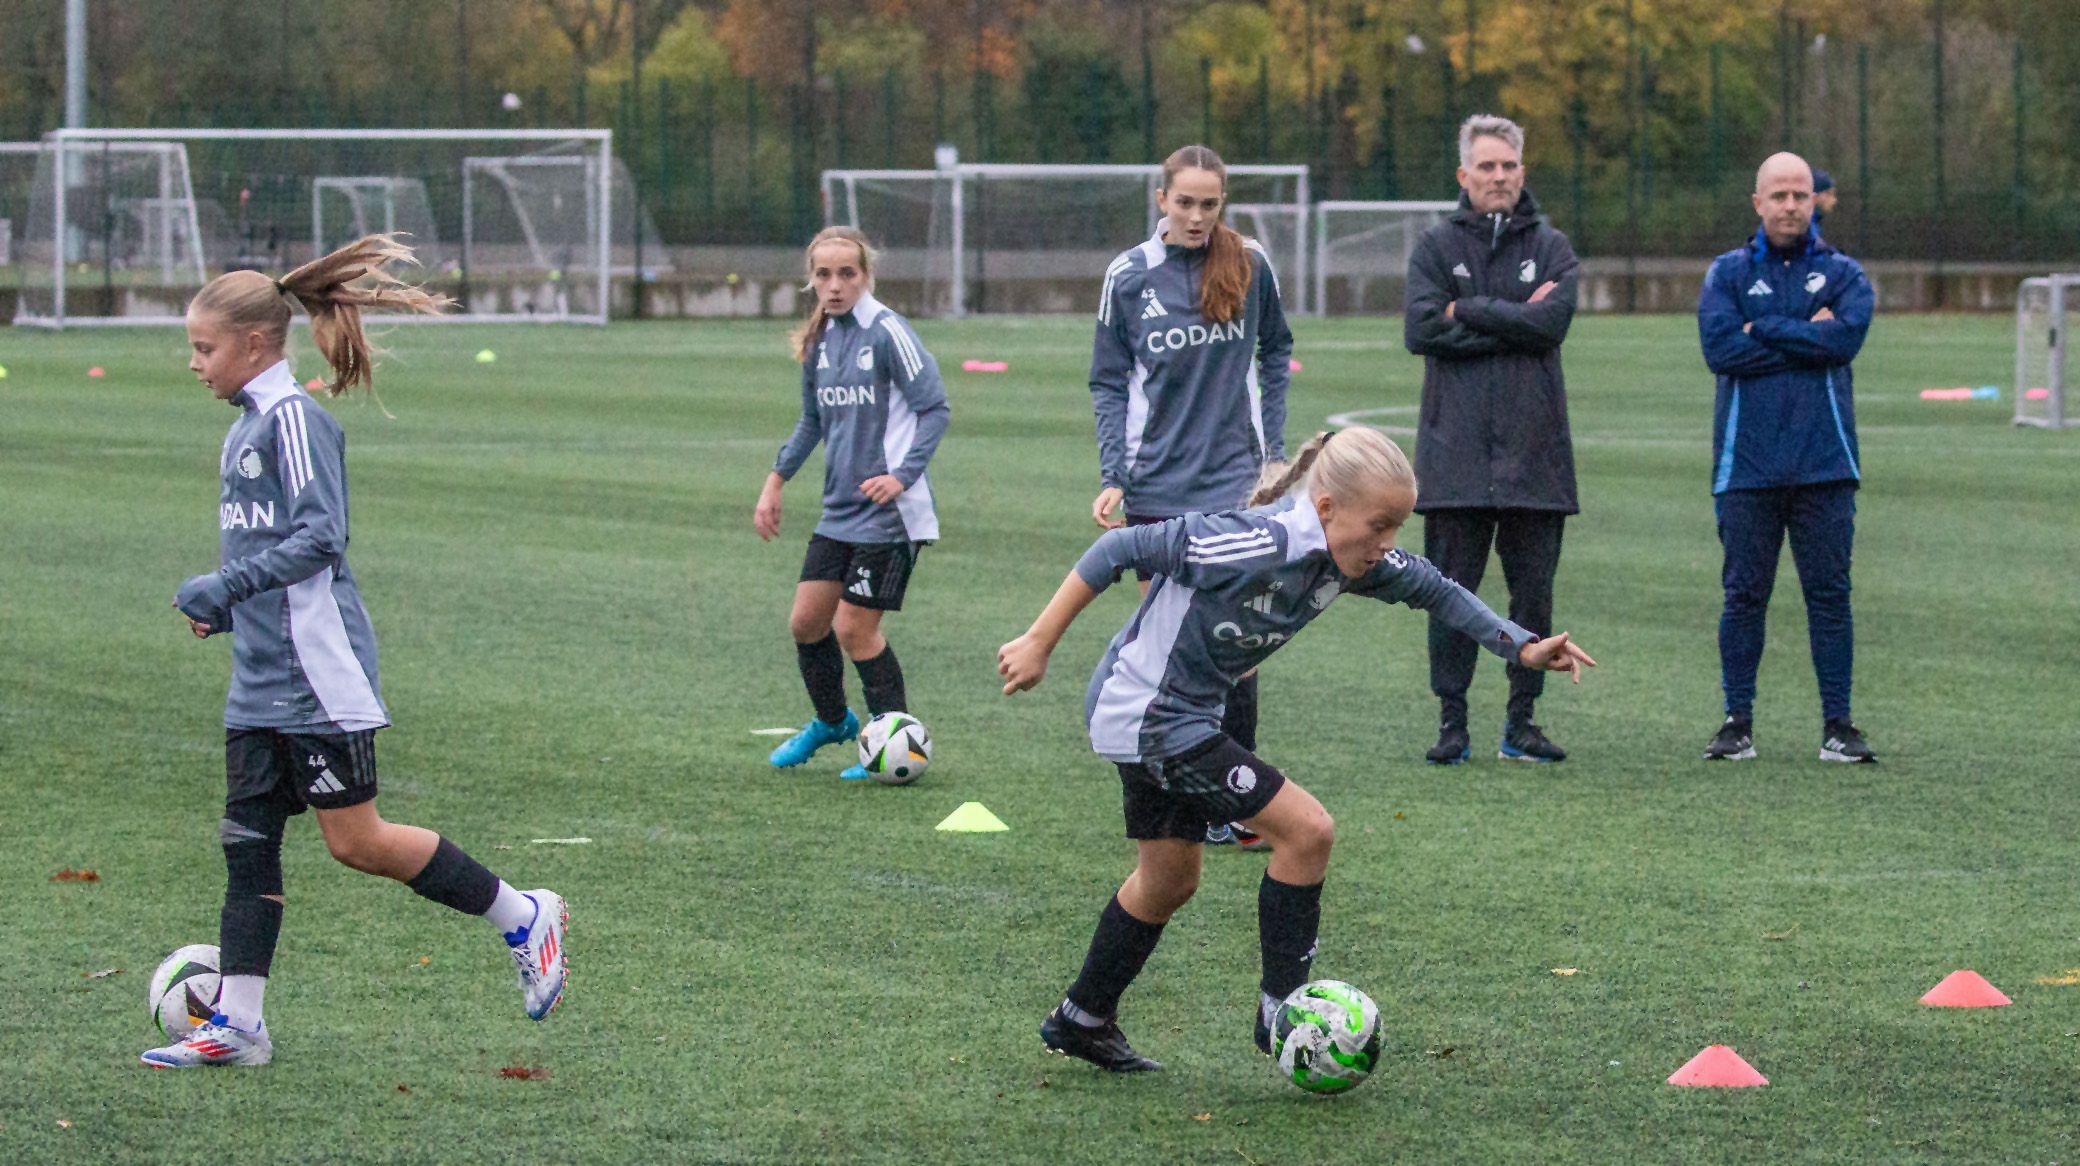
x: 1202, y: 1117
x: 1565, y: 971
x: 2065, y: 979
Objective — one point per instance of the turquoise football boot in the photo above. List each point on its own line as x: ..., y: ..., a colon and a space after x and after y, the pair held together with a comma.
x: 814, y: 735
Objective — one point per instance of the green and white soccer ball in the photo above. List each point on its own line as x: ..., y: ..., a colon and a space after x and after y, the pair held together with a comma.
x: 1325, y: 1038
x: 895, y: 749
x: 183, y: 992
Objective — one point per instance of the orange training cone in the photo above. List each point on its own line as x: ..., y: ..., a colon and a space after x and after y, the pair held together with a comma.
x: 1965, y: 989
x: 1717, y: 1067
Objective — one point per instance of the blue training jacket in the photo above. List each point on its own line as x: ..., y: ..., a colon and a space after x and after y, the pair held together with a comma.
x: 1188, y: 409
x: 1229, y: 589
x: 872, y: 395
x: 303, y: 655
x: 1785, y: 413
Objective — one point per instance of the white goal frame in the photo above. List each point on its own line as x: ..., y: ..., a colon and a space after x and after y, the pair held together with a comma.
x: 841, y: 204
x: 2063, y: 294
x: 68, y: 142
x: 384, y: 188
x: 1327, y: 209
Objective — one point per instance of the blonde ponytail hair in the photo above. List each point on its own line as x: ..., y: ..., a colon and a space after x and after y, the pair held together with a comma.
x: 1361, y: 461
x: 249, y: 301
x: 803, y: 339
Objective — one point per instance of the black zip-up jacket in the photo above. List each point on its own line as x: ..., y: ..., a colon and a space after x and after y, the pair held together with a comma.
x: 1493, y: 431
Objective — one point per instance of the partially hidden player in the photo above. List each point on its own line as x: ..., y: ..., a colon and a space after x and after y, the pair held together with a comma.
x: 1189, y: 369
x: 301, y: 718
x: 1228, y: 590
x: 872, y: 396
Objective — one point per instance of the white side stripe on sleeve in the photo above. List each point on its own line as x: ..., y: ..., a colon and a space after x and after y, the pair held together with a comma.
x: 1105, y: 296
x: 292, y: 443
x: 1204, y: 541
x: 1230, y: 552
x: 905, y: 349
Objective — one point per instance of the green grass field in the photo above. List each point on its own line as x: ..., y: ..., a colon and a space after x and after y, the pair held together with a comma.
x: 580, y: 630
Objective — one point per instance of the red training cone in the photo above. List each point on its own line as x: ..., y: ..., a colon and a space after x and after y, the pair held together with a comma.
x: 1965, y: 989
x: 95, y: 372
x: 1717, y: 1067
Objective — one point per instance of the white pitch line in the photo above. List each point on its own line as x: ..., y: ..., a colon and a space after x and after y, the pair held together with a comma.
x: 775, y: 732
x: 1345, y: 420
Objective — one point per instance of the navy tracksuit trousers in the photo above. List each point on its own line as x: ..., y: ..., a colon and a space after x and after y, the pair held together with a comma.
x: 1821, y: 520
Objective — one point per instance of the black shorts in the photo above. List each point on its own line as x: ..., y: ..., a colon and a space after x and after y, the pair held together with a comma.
x: 1213, y: 782
x: 874, y: 575
x: 292, y: 769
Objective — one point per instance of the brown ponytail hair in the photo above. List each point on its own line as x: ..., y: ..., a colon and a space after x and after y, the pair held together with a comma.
x: 249, y: 301
x: 1228, y: 267
x: 803, y: 339
x: 1363, y: 460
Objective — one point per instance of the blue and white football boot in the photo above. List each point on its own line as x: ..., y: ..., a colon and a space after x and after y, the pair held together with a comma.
x: 539, y: 952
x: 814, y: 735
x: 213, y: 1042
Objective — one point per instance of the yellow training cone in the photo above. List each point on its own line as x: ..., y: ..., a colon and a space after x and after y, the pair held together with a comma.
x: 972, y: 818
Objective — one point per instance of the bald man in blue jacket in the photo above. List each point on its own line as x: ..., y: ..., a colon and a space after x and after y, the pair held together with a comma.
x: 1781, y: 318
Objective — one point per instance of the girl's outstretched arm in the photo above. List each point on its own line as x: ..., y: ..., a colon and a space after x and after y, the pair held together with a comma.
x: 1023, y: 662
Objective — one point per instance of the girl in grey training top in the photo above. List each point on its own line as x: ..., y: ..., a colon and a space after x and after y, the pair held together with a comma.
x: 301, y: 718
x: 871, y: 395
x: 1228, y: 589
x: 1188, y: 377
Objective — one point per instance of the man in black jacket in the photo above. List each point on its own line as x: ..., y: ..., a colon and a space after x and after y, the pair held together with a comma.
x: 1491, y: 292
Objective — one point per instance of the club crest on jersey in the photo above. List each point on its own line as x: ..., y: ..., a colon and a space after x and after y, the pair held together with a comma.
x: 245, y: 516
x: 1242, y: 779
x: 1325, y: 594
x: 249, y: 463
x: 866, y: 359
x: 1529, y: 270
x: 1816, y: 281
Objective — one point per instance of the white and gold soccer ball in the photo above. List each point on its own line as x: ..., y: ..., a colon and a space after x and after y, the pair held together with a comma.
x: 895, y: 749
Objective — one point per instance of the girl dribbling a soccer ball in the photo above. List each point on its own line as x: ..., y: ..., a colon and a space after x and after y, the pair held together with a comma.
x: 301, y: 717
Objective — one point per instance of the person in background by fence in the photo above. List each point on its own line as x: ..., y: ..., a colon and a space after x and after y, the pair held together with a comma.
x: 1780, y: 318
x: 1491, y: 292
x: 1823, y: 196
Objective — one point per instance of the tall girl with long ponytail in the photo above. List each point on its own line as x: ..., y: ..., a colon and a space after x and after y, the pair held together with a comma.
x: 1188, y: 377
x: 301, y: 717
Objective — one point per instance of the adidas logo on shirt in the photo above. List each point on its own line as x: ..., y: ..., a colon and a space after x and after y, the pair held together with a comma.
x: 823, y: 359
x: 1760, y: 289
x: 1151, y: 306
x: 327, y: 784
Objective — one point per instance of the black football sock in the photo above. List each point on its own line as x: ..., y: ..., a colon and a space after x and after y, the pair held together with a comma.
x: 1119, y: 947
x: 1288, y: 918
x: 454, y: 879
x: 251, y: 922
x: 1239, y: 721
x: 882, y: 678
x: 823, y: 674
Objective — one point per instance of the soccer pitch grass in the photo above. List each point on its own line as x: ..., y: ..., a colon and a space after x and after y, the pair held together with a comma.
x: 579, y: 631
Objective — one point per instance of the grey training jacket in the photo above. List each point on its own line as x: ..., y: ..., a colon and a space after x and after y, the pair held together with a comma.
x: 1229, y: 590
x: 1188, y: 410
x: 872, y: 395
x: 303, y: 655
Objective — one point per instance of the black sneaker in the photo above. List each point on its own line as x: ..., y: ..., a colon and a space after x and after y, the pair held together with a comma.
x: 1732, y: 743
x: 1104, y: 1046
x: 1527, y: 742
x: 1842, y: 741
x: 1453, y: 746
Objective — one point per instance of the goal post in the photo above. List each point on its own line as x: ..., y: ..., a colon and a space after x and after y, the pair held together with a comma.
x: 981, y: 238
x: 2046, y: 308
x: 1365, y: 247
x: 126, y: 225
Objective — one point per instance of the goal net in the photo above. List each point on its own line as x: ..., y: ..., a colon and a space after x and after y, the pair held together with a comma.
x: 124, y: 226
x: 525, y: 211
x: 989, y: 238
x: 2045, y: 310
x: 1361, y: 252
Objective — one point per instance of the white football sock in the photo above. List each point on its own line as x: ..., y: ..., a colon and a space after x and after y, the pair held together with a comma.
x: 239, y: 1000
x: 511, y: 911
x: 1267, y: 1007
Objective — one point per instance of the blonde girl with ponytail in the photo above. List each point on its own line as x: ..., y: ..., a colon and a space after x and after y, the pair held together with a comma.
x: 1227, y: 590
x: 304, y: 706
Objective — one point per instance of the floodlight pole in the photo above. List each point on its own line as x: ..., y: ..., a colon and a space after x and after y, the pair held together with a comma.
x: 75, y: 64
